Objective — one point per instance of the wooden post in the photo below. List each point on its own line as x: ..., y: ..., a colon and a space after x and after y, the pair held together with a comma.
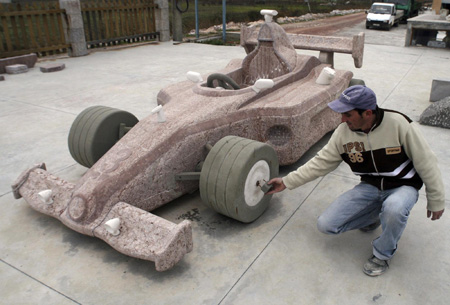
x: 436, y: 6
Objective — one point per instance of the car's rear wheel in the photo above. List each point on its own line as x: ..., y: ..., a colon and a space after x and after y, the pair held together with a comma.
x: 231, y: 176
x: 94, y: 131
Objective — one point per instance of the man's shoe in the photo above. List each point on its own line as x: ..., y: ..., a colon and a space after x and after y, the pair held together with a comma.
x: 375, y: 266
x: 371, y: 227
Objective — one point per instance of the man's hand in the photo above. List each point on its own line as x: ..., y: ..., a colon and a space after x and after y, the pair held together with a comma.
x: 435, y: 215
x: 277, y: 186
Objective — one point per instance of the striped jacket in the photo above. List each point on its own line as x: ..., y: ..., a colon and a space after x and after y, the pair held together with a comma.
x: 392, y: 154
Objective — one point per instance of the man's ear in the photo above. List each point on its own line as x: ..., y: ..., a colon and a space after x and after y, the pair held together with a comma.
x: 369, y: 112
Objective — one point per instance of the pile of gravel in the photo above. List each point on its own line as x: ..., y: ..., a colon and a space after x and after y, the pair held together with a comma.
x: 232, y: 26
x: 437, y: 114
x: 309, y: 17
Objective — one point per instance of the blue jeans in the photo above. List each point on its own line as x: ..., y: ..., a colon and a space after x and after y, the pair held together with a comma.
x: 364, y: 205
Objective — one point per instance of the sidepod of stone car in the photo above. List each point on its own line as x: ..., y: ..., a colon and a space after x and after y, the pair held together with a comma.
x: 226, y: 142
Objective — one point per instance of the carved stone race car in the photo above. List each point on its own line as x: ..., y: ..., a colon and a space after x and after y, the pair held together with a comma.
x: 226, y: 136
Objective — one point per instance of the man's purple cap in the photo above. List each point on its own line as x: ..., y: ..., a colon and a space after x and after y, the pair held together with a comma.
x: 355, y: 97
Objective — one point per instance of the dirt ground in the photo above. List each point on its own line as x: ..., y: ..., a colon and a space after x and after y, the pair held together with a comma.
x: 325, y: 27
x: 348, y: 26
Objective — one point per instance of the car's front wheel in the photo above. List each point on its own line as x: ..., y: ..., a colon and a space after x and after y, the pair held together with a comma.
x: 232, y: 176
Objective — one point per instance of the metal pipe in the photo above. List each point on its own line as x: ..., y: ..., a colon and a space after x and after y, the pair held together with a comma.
x: 196, y: 20
x: 224, y: 21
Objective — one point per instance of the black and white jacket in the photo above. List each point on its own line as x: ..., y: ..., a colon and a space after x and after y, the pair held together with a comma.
x: 392, y: 154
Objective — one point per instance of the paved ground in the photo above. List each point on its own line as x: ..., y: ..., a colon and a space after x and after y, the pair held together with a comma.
x: 394, y: 37
x: 279, y: 259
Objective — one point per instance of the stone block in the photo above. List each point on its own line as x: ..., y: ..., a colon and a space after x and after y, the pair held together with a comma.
x: 75, y: 28
x: 78, y: 49
x: 75, y: 21
x: 76, y: 35
x: 16, y: 69
x: 78, y: 43
x: 440, y: 88
x: 436, y: 44
x: 437, y: 114
x: 71, y: 6
x: 54, y: 67
x: 29, y: 60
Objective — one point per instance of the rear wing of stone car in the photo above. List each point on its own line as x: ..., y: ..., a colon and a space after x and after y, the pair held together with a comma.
x: 327, y: 45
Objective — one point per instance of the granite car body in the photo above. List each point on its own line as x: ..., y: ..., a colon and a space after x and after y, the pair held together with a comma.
x: 157, y: 161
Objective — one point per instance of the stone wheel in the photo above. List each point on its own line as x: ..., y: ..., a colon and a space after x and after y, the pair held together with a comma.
x: 94, y: 131
x: 230, y: 175
x: 223, y: 80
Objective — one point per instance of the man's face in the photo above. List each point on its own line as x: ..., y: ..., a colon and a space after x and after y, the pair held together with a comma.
x: 356, y: 121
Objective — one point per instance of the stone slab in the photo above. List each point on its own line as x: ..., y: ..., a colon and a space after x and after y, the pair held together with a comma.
x: 29, y: 60
x: 54, y: 67
x: 440, y: 88
x: 437, y: 114
x: 436, y: 44
x: 16, y: 69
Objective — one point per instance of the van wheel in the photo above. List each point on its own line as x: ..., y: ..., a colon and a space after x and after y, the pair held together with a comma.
x: 230, y: 175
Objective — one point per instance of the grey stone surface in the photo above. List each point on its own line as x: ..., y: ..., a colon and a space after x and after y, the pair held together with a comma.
x: 33, y: 290
x: 78, y: 49
x: 53, y: 67
x: 72, y: 7
x: 75, y: 27
x: 29, y: 60
x: 16, y: 69
x: 440, y: 88
x: 76, y: 35
x: 162, y: 20
x: 437, y: 114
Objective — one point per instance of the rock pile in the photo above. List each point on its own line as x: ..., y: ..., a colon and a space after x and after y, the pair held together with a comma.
x: 437, y: 114
x: 232, y: 26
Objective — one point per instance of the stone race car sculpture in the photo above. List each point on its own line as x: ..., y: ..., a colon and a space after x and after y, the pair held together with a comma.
x: 226, y: 136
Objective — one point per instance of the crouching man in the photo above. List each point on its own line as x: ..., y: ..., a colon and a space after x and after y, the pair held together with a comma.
x: 387, y: 150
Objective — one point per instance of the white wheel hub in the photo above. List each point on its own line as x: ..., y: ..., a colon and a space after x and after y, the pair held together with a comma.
x: 252, y: 192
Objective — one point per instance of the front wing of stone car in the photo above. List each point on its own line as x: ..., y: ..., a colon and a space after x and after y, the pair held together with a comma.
x: 225, y: 142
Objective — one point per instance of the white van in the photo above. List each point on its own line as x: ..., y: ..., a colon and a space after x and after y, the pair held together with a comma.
x: 383, y: 16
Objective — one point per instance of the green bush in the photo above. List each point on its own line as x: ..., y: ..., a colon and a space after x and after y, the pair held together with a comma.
x: 253, y: 16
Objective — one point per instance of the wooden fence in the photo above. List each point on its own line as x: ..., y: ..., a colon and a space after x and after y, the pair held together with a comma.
x: 38, y: 27
x: 31, y: 28
x: 109, y: 22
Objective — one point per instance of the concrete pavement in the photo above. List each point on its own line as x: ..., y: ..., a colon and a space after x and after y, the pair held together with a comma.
x: 279, y: 259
